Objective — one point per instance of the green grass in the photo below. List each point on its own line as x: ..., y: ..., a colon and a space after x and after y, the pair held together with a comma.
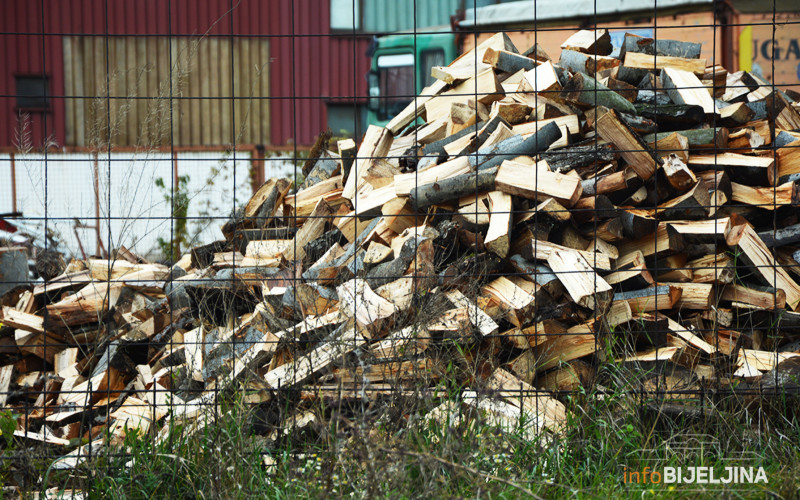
x: 402, y: 456
x: 387, y: 448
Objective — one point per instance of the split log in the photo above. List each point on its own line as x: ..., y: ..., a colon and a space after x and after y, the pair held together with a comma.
x: 640, y: 60
x: 717, y: 268
x: 771, y: 198
x: 634, y: 276
x: 515, y: 303
x: 781, y: 112
x: 516, y: 146
x: 635, y: 152
x: 575, y: 157
x: 672, y: 117
x: 694, y: 295
x: 684, y: 87
x: 311, y: 230
x: 452, y: 188
x: 541, y: 79
x: 583, y: 284
x: 666, y: 240
x: 497, y: 237
x: 587, y: 91
x: 751, y: 170
x: 691, y: 205
x: 376, y: 144
x: 579, y: 62
x: 660, y: 46
x: 699, y: 139
x: 656, y: 298
x: 739, y: 233
x: 485, y: 325
x: 678, y: 174
x: 503, y: 60
x: 590, y: 42
x: 517, y: 179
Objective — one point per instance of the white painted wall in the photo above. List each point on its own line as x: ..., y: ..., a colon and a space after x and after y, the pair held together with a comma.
x: 133, y: 211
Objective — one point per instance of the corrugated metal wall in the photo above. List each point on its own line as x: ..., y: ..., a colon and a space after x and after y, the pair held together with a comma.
x: 308, y: 65
x: 230, y: 83
x: 398, y: 15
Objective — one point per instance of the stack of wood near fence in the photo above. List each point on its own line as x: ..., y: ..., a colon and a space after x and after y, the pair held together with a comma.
x: 524, y: 219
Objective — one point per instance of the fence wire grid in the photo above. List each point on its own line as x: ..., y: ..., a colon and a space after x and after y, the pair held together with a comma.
x: 334, y: 214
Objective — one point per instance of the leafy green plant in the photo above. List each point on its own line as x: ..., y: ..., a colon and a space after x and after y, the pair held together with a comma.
x: 8, y: 424
x: 178, y: 200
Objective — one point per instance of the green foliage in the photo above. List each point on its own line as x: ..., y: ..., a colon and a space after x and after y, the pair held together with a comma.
x: 178, y: 200
x: 8, y: 424
x: 456, y: 458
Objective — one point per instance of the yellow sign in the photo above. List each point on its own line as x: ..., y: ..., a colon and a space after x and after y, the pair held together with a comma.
x: 746, y: 49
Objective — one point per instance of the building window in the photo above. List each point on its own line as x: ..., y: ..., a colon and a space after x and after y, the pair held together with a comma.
x: 427, y: 60
x: 33, y: 93
x: 345, y: 15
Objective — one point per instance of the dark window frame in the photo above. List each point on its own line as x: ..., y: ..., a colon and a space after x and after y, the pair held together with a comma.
x: 37, y: 103
x: 424, y: 75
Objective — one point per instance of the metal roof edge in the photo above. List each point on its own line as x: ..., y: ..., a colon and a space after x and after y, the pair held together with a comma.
x: 523, y: 10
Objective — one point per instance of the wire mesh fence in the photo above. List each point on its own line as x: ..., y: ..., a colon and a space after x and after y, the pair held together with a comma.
x: 320, y: 222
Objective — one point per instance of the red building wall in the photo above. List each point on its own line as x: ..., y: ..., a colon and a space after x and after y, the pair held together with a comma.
x: 309, y: 66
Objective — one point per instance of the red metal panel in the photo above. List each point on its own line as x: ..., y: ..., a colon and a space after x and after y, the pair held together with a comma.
x: 321, y: 70
x: 324, y: 70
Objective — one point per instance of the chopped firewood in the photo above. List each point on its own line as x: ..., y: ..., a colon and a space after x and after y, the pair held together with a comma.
x: 653, y: 62
x: 310, y: 231
x: 568, y: 377
x: 547, y: 411
x: 717, y: 268
x: 677, y: 173
x: 638, y: 155
x: 660, y: 46
x: 672, y: 144
x: 740, y: 234
x: 769, y: 198
x: 542, y: 78
x: 783, y: 114
x: 515, y: 179
x: 523, y: 214
x: 684, y: 87
x: 376, y: 144
x: 587, y: 91
x: 505, y: 61
x: 655, y: 298
x: 590, y: 42
x: 297, y: 371
x: 497, y: 237
x: 583, y: 284
x: 736, y: 114
x: 515, y: 303
x: 763, y: 299
x: 632, y: 278
x: 694, y: 295
x: 753, y: 170
x: 579, y: 62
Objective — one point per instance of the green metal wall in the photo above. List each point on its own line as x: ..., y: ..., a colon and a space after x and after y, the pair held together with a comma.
x: 398, y: 15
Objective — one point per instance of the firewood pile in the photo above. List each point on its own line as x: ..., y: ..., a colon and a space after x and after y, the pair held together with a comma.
x: 516, y: 219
